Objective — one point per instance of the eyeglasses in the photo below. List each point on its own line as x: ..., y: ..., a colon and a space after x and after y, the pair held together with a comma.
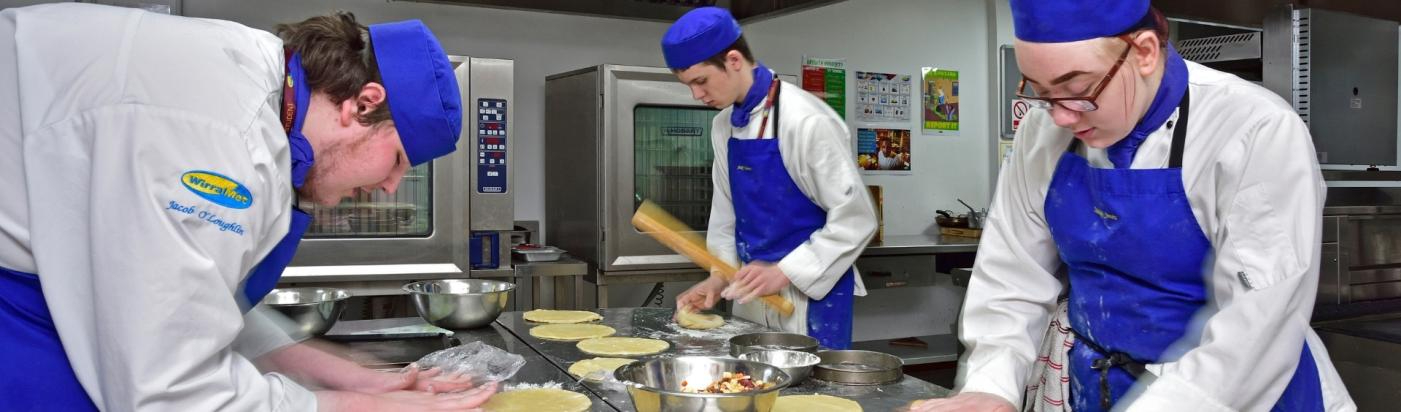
x: 1076, y: 104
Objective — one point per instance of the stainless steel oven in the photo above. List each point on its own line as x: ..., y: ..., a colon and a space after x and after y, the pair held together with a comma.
x: 614, y: 136
x: 1360, y: 263
x: 449, y: 218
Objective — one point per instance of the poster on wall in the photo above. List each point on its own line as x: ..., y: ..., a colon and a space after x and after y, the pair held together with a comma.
x: 883, y: 151
x: 939, y: 92
x: 826, y: 78
x: 1004, y: 151
x: 883, y: 97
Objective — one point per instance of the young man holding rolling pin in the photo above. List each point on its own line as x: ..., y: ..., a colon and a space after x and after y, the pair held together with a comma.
x: 789, y: 203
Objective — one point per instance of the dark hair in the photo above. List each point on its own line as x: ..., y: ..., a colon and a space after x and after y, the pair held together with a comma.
x: 337, y: 56
x: 718, y: 60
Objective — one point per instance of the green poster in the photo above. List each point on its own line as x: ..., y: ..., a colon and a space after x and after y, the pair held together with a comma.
x: 939, y: 91
x: 826, y: 79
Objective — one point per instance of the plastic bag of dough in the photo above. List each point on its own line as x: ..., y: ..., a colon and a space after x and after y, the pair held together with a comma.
x: 484, y: 363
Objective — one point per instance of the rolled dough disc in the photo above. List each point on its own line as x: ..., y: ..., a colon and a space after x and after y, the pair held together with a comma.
x: 538, y: 400
x: 571, y: 331
x: 692, y: 320
x: 623, y: 346
x: 815, y: 403
x: 561, y: 316
x: 591, y: 369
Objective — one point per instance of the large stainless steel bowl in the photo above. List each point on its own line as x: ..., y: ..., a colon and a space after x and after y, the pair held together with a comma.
x: 459, y: 303
x: 749, y: 342
x: 655, y: 385
x: 798, y: 365
x: 312, y: 310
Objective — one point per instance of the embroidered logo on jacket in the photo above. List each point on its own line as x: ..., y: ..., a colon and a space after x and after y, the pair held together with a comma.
x: 217, y: 188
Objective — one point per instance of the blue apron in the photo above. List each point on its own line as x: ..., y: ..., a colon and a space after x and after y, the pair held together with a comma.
x: 1137, y: 262
x: 773, y: 217
x: 39, y: 377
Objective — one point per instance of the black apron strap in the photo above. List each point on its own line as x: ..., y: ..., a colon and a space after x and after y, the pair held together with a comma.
x: 1103, y: 365
x: 777, y: 114
x: 1179, y: 131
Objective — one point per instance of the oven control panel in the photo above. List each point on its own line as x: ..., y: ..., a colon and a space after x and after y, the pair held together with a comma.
x: 491, y: 146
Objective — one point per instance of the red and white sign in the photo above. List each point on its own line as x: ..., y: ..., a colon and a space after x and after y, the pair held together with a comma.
x: 1019, y: 108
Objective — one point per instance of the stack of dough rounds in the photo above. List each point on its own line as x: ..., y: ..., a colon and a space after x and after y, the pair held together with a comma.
x: 692, y: 320
x: 561, y: 316
x: 538, y: 400
x: 815, y: 403
x: 623, y: 346
x: 571, y: 332
x: 590, y: 368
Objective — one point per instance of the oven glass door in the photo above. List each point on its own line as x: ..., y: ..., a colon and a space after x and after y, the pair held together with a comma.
x: 672, y: 161
x: 406, y: 213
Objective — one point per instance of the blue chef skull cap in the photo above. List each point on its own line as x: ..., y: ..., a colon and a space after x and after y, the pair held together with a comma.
x: 421, y: 88
x: 697, y: 35
x: 1060, y: 21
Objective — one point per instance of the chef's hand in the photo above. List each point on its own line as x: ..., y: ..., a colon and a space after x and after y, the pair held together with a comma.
x: 314, y: 363
x: 328, y: 401
x: 967, y: 401
x: 754, y: 280
x: 702, y: 296
x: 411, y: 378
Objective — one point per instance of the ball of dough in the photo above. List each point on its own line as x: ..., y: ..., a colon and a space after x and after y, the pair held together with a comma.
x: 692, y: 320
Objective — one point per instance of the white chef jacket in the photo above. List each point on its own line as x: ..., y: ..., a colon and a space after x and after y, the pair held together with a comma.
x: 817, y: 153
x: 1250, y: 175
x: 102, y: 110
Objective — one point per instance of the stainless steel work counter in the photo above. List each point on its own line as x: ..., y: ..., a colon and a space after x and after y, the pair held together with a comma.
x: 920, y: 245
x: 395, y: 353
x: 656, y: 323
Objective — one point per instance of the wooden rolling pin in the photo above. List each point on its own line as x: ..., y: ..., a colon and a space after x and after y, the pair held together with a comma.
x: 668, y: 230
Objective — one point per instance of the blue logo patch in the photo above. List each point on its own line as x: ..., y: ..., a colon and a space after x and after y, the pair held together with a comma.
x: 217, y: 188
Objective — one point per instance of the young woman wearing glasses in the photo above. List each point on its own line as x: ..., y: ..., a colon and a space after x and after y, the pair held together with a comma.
x: 1177, y: 210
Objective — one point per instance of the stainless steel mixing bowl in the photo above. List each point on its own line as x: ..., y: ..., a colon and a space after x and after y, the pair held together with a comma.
x: 459, y: 303
x: 749, y: 342
x: 655, y: 385
x: 798, y: 365
x: 312, y: 310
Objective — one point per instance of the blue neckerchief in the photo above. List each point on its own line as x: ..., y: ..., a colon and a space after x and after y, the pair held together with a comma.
x: 302, y: 156
x: 763, y: 77
x: 1164, y: 103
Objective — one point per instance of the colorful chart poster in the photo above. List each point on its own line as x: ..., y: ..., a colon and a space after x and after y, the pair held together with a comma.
x: 940, y: 95
x: 826, y: 78
x: 883, y: 151
x: 883, y: 97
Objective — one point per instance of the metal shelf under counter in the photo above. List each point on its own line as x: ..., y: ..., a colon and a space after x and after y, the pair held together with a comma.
x: 920, y: 245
